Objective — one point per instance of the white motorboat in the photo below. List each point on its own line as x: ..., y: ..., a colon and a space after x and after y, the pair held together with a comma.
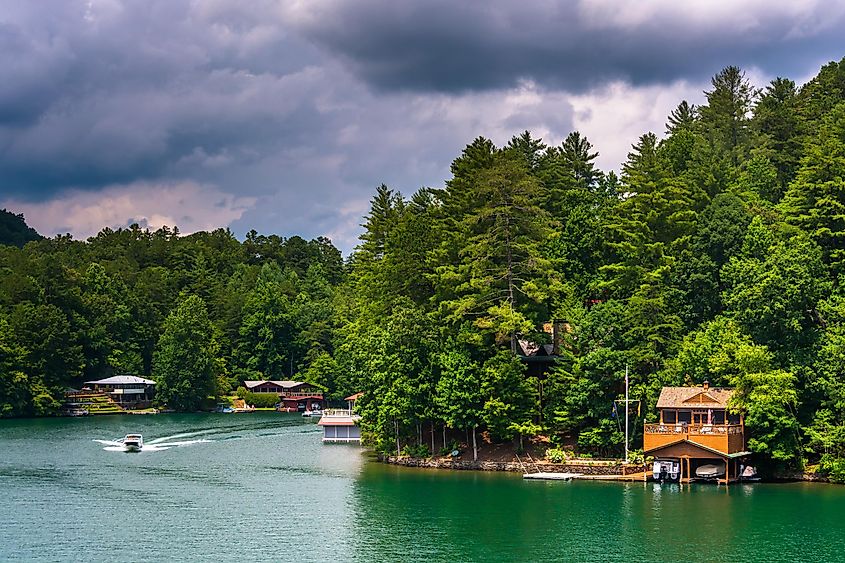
x: 710, y: 471
x: 315, y: 412
x: 133, y: 443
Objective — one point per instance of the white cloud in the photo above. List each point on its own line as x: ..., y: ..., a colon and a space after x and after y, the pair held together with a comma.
x: 614, y: 116
x: 188, y: 205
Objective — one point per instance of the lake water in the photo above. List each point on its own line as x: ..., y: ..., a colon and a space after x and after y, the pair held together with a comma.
x: 262, y: 487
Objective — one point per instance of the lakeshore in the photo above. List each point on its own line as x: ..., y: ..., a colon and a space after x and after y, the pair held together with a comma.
x: 265, y: 488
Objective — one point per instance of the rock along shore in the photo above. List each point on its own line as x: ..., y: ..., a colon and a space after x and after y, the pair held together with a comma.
x: 584, y: 467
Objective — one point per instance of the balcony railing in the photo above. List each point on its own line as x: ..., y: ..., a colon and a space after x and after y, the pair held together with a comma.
x: 681, y: 429
x: 338, y: 412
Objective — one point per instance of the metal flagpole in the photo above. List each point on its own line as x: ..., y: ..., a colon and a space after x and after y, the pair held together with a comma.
x: 626, y: 413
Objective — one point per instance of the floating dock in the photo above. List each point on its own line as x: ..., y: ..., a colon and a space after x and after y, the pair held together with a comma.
x: 551, y: 476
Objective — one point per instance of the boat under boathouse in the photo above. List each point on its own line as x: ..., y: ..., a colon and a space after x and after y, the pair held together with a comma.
x: 697, y: 438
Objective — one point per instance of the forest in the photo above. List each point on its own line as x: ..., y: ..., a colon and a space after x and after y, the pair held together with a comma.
x: 714, y: 254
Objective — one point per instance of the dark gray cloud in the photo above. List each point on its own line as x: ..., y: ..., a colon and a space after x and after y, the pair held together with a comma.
x: 448, y: 46
x: 101, y: 92
x: 284, y: 115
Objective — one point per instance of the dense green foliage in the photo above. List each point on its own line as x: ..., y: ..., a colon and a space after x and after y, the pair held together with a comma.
x: 14, y: 231
x: 716, y: 254
x: 198, y: 313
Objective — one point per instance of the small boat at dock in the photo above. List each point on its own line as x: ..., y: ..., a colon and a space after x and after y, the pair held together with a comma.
x: 133, y: 443
x: 710, y: 471
x: 551, y: 476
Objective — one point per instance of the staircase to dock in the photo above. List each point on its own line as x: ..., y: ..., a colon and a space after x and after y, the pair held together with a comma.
x: 94, y: 403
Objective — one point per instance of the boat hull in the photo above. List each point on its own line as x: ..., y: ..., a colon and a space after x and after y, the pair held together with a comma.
x: 710, y: 471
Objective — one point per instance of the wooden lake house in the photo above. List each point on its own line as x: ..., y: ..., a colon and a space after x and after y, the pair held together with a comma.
x: 697, y: 437
x: 125, y: 390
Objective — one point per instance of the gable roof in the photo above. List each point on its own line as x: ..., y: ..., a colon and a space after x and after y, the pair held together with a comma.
x: 286, y: 384
x: 696, y: 445
x: 694, y: 397
x: 532, y: 349
x: 122, y: 380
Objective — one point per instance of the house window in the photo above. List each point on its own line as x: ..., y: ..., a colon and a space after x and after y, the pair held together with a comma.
x: 684, y: 416
x: 699, y: 417
x: 718, y: 417
x: 670, y: 417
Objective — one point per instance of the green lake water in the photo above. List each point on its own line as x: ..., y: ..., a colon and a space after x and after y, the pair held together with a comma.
x: 262, y: 487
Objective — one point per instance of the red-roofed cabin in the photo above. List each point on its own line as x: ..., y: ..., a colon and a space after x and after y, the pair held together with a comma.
x: 293, y: 395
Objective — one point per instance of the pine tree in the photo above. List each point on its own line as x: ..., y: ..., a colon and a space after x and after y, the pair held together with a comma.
x: 815, y: 201
x: 726, y: 116
x: 776, y: 118
x: 500, y: 272
x: 682, y: 118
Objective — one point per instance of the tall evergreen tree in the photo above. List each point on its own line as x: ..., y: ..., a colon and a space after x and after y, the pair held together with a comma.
x: 726, y: 118
x: 815, y: 201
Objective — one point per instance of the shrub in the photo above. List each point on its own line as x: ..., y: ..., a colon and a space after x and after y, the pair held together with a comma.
x: 416, y: 451
x: 556, y: 455
x: 453, y: 445
x: 636, y: 457
x: 833, y: 467
x: 259, y: 400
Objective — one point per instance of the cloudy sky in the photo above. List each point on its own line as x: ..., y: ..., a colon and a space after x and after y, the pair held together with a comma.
x: 284, y: 115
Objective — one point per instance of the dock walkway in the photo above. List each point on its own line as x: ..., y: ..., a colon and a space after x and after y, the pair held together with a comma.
x: 547, y: 476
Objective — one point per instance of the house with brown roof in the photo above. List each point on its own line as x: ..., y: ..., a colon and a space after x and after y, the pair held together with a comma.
x: 697, y: 436
x: 293, y: 395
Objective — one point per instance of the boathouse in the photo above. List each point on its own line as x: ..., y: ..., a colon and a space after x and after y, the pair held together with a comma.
x: 126, y: 390
x: 697, y: 432
x: 341, y: 425
x: 293, y: 395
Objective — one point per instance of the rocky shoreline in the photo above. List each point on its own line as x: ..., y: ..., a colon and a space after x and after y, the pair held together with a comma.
x: 584, y: 467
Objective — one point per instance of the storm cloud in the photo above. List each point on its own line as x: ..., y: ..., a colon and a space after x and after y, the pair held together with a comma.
x: 573, y: 46
x: 284, y: 115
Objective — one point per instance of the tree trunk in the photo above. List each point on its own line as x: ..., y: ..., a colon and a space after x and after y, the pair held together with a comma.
x: 474, y: 446
x: 511, y: 297
x: 444, y: 435
x: 432, y: 438
x: 396, y: 430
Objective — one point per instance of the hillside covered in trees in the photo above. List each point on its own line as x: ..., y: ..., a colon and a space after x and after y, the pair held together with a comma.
x: 14, y: 230
x: 715, y: 255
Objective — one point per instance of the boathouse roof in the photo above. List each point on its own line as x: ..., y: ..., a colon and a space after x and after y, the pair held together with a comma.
x: 122, y: 380
x: 354, y: 397
x: 694, y: 397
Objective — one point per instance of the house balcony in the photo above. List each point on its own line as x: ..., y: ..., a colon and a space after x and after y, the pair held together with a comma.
x: 724, y: 438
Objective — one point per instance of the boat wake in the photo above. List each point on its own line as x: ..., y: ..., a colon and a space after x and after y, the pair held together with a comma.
x: 154, y: 446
